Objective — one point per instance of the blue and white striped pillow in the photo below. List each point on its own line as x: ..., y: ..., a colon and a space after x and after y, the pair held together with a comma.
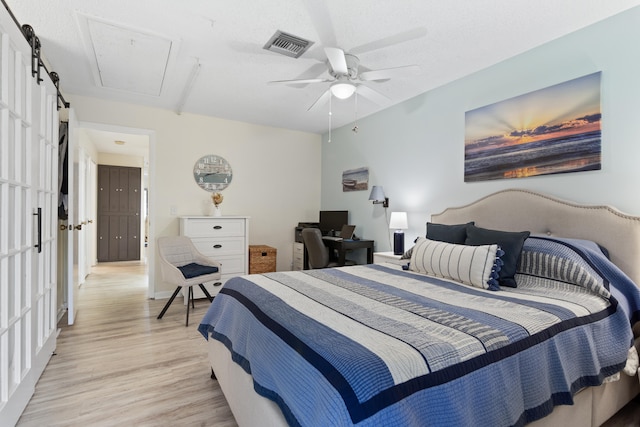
x: 472, y: 265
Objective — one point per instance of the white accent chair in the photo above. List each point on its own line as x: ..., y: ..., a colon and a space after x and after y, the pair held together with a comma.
x: 184, y: 266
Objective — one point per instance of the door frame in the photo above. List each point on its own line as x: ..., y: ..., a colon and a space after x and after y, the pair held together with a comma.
x: 150, y: 248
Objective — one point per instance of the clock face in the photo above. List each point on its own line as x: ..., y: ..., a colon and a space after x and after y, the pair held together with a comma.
x: 212, y: 173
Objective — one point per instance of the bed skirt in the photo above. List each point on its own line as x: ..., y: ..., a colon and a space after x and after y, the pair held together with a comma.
x: 592, y: 407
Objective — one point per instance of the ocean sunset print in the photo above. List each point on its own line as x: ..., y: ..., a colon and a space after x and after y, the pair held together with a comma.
x: 549, y: 131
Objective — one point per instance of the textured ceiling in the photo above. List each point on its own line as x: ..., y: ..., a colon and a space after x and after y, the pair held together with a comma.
x: 150, y: 49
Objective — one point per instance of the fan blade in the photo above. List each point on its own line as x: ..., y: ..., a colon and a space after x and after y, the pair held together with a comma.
x: 300, y: 81
x: 320, y: 101
x: 316, y: 70
x: 372, y: 95
x: 322, y: 22
x: 388, y: 73
x: 337, y: 60
x: 405, y: 36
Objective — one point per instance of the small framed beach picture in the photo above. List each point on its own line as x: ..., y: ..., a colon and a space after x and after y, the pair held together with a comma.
x: 355, y: 179
x: 550, y: 131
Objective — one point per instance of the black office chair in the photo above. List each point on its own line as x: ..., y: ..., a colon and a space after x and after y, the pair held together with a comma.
x: 318, y: 252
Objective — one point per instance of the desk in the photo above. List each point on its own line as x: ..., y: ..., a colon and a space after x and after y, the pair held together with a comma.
x: 344, y: 245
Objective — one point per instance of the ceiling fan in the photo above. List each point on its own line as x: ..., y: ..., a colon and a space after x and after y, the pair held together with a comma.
x: 346, y: 79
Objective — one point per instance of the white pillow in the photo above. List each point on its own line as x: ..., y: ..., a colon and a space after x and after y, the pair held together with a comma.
x: 471, y: 265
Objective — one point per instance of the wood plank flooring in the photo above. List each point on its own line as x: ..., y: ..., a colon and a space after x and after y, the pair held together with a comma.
x: 120, y: 366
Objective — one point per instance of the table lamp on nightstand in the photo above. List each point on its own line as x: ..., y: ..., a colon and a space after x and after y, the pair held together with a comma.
x: 398, y: 222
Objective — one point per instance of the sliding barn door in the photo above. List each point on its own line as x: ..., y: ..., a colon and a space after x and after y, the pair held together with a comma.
x: 28, y: 201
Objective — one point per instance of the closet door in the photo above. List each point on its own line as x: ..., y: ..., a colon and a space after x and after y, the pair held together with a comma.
x: 134, y: 204
x: 133, y: 237
x: 119, y: 202
x: 134, y: 194
x: 28, y: 219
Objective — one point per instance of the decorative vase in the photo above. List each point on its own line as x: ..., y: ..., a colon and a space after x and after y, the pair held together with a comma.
x: 217, y: 210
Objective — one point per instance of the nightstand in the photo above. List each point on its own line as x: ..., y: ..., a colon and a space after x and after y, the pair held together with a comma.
x: 382, y: 257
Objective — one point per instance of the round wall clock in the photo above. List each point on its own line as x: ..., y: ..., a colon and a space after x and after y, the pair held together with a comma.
x: 212, y: 173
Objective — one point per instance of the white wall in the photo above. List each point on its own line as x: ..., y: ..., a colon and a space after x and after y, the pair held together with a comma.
x: 415, y: 149
x: 276, y: 172
x: 120, y: 160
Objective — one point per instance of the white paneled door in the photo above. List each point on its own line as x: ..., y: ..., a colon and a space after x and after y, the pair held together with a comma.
x: 75, y: 224
x: 28, y: 220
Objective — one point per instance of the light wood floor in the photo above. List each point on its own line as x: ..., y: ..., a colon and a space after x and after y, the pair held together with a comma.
x: 120, y: 366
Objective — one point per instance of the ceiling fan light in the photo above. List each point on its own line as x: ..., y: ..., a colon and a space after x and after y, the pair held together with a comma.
x: 342, y: 90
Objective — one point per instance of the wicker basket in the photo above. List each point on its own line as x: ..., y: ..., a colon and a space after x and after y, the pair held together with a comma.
x: 262, y: 259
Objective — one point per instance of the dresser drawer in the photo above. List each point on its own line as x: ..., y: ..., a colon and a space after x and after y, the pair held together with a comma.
x: 212, y: 227
x: 232, y: 265
x: 219, y: 245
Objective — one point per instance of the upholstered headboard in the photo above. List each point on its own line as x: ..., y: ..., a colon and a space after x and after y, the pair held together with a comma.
x: 520, y: 210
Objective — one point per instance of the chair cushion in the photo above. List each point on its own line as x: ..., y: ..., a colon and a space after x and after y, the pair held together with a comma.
x: 195, y: 270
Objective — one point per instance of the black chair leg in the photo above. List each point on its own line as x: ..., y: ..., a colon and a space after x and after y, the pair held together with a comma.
x: 166, y: 306
x: 206, y: 292
x: 189, y: 300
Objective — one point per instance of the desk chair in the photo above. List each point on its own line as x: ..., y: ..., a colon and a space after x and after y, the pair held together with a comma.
x: 318, y: 252
x: 184, y: 266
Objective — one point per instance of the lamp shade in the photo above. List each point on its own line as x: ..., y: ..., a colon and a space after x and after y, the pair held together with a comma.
x: 342, y: 90
x: 398, y: 221
x: 377, y: 194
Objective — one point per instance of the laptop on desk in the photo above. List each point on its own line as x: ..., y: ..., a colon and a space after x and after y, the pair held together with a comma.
x: 346, y: 233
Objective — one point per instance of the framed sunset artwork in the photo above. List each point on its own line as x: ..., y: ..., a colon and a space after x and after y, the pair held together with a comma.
x: 550, y: 131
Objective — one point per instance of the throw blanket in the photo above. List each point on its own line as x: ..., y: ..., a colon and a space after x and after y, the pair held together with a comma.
x: 375, y: 345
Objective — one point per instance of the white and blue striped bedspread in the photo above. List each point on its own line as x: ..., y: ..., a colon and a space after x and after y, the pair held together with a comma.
x: 375, y: 345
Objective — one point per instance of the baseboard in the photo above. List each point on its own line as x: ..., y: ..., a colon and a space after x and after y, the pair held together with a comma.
x: 164, y: 294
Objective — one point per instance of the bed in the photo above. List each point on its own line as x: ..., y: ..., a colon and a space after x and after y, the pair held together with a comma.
x: 358, y: 346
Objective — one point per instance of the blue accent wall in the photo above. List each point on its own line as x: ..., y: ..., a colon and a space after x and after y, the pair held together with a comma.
x: 415, y: 149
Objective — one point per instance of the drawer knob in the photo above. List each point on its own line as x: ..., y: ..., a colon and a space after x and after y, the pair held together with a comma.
x: 217, y: 227
x: 217, y: 246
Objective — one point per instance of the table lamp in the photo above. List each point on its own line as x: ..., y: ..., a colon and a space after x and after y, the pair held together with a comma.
x: 398, y: 222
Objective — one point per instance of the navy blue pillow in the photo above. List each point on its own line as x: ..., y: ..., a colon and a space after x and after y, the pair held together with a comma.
x: 510, y: 242
x: 456, y: 233
x: 194, y: 270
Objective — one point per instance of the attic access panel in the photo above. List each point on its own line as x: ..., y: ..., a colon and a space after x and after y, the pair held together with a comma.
x: 126, y: 59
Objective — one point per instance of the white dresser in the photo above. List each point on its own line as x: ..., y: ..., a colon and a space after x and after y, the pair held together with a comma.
x: 225, y: 239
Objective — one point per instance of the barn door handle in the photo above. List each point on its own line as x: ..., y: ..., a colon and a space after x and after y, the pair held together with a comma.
x: 39, y: 215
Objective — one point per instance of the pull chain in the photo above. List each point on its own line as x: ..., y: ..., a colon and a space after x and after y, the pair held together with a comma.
x: 355, y: 127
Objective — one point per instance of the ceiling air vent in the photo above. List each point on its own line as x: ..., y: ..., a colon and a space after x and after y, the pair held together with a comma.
x: 287, y: 44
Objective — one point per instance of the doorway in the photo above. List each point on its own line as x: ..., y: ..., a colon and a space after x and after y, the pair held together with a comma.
x: 110, y: 145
